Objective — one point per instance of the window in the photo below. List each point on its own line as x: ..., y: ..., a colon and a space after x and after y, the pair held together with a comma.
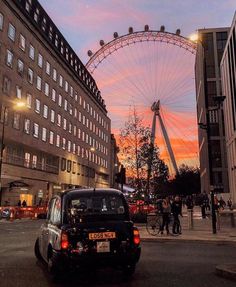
x: 31, y: 52
x: 59, y: 120
x: 64, y: 124
x: 40, y: 60
x: 16, y: 121
x: 1, y: 21
x: 63, y: 143
x: 52, y: 116
x: 66, y: 86
x: 68, y: 165
x: 63, y: 164
x: 55, y: 217
x: 30, y: 76
x: 65, y: 105
x: 18, y: 92
x: 34, y: 161
x: 37, y: 106
x: 29, y: 100
x: 71, y: 91
x: 27, y: 159
x: 27, y: 126
x: 36, y: 15
x: 51, y: 136
x: 22, y: 42
x: 59, y: 100
x: 36, y: 130
x: 75, y: 113
x: 44, y: 134
x: 9, y: 59
x: 6, y: 85
x: 69, y: 146
x: 45, y: 111
x: 80, y: 116
x: 39, y: 83
x: 46, y: 89
x: 20, y: 67
x: 11, y: 32
x: 61, y: 81
x: 53, y: 95
x: 58, y: 141
x: 54, y: 75
x: 48, y: 66
x: 70, y: 128
x: 70, y: 109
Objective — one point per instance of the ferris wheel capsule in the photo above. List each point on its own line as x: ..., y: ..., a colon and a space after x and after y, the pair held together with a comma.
x: 101, y: 43
x: 131, y: 30
x: 162, y: 29
x: 178, y: 31
x: 90, y: 53
x: 115, y: 35
x: 146, y: 28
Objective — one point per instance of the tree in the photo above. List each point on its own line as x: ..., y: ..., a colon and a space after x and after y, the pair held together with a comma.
x: 187, y: 182
x: 136, y: 153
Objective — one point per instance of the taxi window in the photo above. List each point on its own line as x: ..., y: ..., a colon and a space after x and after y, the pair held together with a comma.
x: 99, y: 204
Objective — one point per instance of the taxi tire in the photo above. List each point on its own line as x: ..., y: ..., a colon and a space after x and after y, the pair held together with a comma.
x: 37, y: 251
x: 53, y: 269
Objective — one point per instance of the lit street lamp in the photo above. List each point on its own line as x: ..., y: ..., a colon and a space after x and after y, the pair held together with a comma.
x: 17, y: 105
x: 91, y: 150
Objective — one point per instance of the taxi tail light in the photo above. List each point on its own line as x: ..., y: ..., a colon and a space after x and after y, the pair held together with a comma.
x: 136, y: 236
x: 64, y: 240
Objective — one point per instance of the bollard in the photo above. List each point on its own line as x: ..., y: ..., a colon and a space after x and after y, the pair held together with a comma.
x: 217, y: 219
x: 190, y: 219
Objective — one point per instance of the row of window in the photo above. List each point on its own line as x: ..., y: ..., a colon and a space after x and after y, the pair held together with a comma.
x: 61, y: 142
x: 72, y: 60
x: 53, y: 92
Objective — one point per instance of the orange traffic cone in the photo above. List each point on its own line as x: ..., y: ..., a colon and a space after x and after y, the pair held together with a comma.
x: 11, y: 215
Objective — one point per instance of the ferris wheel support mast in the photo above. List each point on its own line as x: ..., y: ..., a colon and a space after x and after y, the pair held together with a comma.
x: 156, y: 110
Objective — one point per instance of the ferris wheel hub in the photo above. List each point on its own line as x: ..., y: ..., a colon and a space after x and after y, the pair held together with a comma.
x: 156, y: 107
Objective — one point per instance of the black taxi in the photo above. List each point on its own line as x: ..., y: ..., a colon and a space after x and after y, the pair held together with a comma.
x: 88, y: 228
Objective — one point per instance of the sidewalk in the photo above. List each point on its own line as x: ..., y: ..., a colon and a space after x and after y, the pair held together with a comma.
x: 201, y: 232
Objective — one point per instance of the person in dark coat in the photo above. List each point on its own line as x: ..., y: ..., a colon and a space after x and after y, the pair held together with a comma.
x: 166, y: 211
x: 24, y: 204
x: 19, y: 203
x: 176, y: 209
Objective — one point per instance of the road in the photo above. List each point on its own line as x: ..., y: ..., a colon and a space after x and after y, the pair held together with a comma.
x: 169, y: 264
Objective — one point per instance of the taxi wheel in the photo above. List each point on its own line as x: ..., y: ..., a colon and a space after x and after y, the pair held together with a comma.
x: 129, y: 269
x: 37, y: 251
x: 53, y: 268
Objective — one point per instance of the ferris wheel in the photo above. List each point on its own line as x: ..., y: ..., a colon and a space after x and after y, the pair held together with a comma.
x: 152, y: 71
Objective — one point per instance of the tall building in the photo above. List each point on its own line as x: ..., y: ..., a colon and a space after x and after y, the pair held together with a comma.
x: 61, y: 137
x: 228, y: 72
x: 212, y: 152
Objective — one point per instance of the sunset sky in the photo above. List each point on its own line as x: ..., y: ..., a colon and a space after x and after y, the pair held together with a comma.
x: 140, y: 74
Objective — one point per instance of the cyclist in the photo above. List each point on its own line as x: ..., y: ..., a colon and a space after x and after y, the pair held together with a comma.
x: 176, y: 209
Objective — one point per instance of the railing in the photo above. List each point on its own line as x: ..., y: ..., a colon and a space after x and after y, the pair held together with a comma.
x: 20, y: 161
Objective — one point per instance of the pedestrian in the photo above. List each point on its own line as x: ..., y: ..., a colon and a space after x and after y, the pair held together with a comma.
x: 19, y: 203
x: 24, y: 204
x: 176, y: 209
x: 189, y: 202
x: 222, y: 203
x: 166, y: 210
x: 230, y: 203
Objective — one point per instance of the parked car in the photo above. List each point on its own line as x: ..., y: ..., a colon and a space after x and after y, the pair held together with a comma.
x: 88, y: 228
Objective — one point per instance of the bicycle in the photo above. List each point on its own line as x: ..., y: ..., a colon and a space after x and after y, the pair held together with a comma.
x: 154, y: 221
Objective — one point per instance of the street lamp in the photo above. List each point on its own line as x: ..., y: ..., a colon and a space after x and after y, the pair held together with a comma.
x: 17, y: 105
x: 91, y: 150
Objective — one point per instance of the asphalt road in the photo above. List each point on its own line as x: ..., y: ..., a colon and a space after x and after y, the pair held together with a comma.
x: 175, y: 264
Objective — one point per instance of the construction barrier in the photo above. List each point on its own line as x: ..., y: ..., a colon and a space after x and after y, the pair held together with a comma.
x: 12, y: 212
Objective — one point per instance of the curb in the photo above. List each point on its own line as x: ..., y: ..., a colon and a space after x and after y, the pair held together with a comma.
x: 227, y: 271
x: 204, y: 240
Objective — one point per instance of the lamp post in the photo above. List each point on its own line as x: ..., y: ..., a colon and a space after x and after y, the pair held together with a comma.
x: 91, y: 150
x: 17, y: 105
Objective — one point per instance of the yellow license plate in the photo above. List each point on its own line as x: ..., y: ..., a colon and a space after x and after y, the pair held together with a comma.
x: 102, y: 235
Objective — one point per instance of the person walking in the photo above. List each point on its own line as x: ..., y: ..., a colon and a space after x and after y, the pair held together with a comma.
x: 19, y: 203
x: 166, y: 210
x: 24, y: 204
x: 176, y: 209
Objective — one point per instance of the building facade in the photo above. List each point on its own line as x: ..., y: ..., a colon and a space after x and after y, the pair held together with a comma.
x: 228, y: 72
x: 212, y: 151
x: 61, y: 137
